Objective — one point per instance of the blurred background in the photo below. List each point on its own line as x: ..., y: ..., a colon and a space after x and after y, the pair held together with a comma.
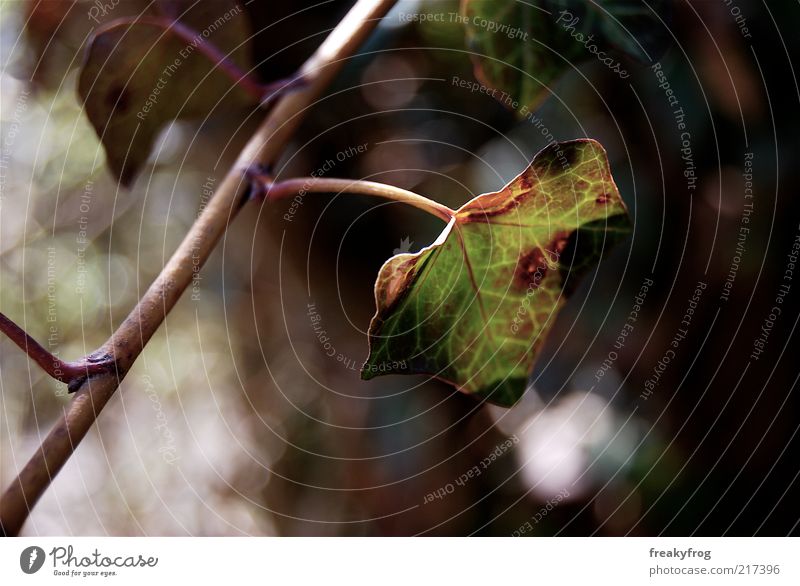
x: 235, y: 420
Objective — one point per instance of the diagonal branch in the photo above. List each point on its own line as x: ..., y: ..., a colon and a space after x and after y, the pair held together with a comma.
x: 127, y: 342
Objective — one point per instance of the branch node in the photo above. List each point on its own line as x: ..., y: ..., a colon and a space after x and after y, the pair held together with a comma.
x: 96, y: 364
x: 259, y: 178
x: 273, y: 90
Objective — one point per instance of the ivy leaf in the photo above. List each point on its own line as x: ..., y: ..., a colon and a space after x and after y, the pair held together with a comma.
x: 473, y: 309
x: 140, y: 73
x: 523, y: 48
x: 57, y: 32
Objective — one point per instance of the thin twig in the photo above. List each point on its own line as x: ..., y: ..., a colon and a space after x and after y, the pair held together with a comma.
x: 263, y: 93
x: 66, y: 372
x: 302, y: 185
x: 127, y: 342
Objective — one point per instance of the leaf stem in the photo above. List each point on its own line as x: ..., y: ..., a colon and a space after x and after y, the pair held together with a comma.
x: 127, y: 342
x: 289, y: 187
x: 245, y: 80
x: 260, y: 92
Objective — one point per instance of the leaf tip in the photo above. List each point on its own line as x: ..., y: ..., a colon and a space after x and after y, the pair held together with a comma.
x: 366, y: 373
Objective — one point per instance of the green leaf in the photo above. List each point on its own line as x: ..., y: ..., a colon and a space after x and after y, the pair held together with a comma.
x: 139, y: 74
x: 523, y: 47
x: 473, y: 309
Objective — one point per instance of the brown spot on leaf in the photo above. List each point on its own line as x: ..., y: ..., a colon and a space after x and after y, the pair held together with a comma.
x: 531, y: 269
x: 488, y: 206
x: 394, y: 281
x: 558, y: 244
x: 603, y: 198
